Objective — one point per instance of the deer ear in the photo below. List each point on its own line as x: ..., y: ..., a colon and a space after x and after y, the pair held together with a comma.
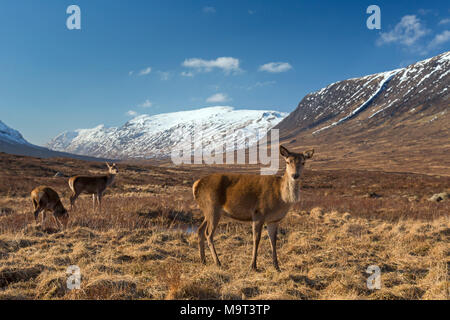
x: 108, y: 165
x: 308, y: 154
x: 284, y: 152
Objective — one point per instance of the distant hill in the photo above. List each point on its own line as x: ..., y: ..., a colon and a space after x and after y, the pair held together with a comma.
x: 12, y: 142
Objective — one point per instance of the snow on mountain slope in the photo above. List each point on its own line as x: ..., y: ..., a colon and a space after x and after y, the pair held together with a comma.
x: 155, y: 136
x: 10, y: 135
x: 396, y: 120
x: 371, y: 100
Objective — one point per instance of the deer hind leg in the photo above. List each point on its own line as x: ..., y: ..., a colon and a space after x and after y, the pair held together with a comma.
x: 93, y: 201
x: 257, y: 228
x: 73, y: 197
x: 58, y: 224
x: 272, y: 230
x: 210, y: 229
x: 201, y: 240
x: 99, y: 201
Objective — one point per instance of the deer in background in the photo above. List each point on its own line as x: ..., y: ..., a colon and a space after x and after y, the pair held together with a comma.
x: 46, y: 199
x: 252, y: 198
x: 95, y: 185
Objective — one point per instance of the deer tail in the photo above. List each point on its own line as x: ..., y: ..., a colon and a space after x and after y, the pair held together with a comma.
x: 195, y: 189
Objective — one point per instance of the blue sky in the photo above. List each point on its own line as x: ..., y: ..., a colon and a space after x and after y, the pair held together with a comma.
x: 149, y: 57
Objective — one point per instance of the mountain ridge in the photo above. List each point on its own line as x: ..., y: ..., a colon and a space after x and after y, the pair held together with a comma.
x: 154, y: 136
x: 390, y: 120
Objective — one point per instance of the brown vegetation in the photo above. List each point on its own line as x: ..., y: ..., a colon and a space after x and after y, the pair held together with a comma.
x: 142, y: 245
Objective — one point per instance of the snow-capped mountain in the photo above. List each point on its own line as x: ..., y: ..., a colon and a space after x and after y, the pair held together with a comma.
x: 155, y: 136
x: 12, y: 142
x: 10, y: 135
x: 404, y: 113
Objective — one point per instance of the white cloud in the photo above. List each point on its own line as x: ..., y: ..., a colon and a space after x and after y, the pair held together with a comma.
x: 406, y: 32
x: 146, y: 104
x: 218, y: 98
x: 130, y: 73
x: 275, y: 67
x: 444, y: 21
x: 131, y: 113
x: 261, y: 84
x: 187, y: 74
x: 145, y: 71
x: 227, y: 64
x: 209, y: 10
x: 251, y: 12
x: 440, y: 38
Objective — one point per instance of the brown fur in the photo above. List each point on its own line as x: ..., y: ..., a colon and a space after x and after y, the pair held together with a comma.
x: 45, y: 198
x: 259, y: 199
x: 95, y: 185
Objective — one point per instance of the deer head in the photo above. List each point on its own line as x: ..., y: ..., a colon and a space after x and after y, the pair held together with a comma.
x: 112, y: 168
x: 295, y: 162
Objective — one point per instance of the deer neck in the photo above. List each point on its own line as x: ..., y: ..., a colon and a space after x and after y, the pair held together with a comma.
x: 290, y: 189
x: 110, y: 180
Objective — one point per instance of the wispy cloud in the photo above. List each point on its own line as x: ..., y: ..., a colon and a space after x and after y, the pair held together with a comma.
x: 440, y: 38
x: 424, y: 12
x: 407, y: 32
x: 145, y: 71
x: 261, y: 84
x: 187, y: 74
x: 251, y: 12
x: 146, y: 104
x: 218, y: 98
x: 275, y: 67
x: 227, y: 64
x: 131, y: 113
x: 444, y: 21
x: 130, y: 73
x: 209, y: 10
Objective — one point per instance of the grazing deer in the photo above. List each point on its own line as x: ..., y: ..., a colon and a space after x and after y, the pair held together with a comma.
x: 45, y: 198
x: 94, y: 185
x: 252, y: 198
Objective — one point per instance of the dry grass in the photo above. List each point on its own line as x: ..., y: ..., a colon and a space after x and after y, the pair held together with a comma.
x: 142, y: 247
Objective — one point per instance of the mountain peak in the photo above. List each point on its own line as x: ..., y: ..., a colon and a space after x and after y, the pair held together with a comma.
x: 149, y: 136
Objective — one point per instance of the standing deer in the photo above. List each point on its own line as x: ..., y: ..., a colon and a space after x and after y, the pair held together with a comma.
x: 94, y: 185
x: 45, y: 198
x: 252, y: 198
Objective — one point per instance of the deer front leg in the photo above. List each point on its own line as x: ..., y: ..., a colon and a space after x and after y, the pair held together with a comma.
x: 257, y: 228
x: 272, y: 230
x: 43, y: 217
x: 36, y: 215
